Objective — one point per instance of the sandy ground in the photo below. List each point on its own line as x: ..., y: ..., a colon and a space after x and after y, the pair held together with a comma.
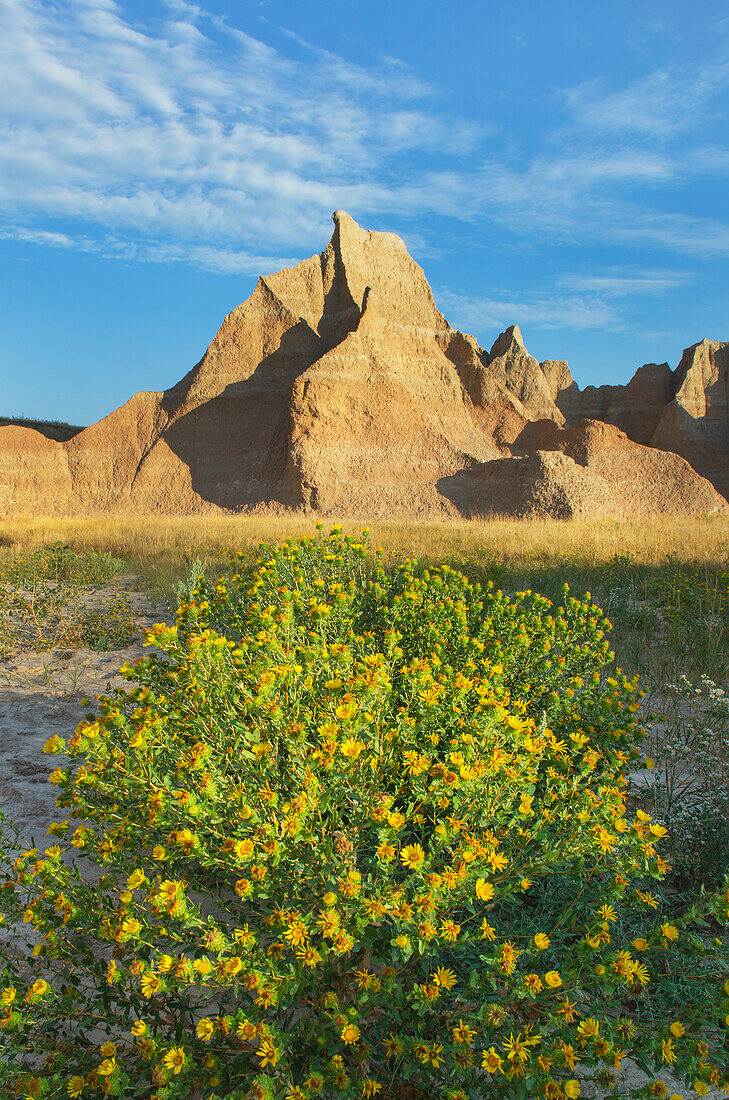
x: 41, y: 694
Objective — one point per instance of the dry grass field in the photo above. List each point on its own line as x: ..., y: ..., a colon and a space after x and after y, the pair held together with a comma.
x: 517, y: 543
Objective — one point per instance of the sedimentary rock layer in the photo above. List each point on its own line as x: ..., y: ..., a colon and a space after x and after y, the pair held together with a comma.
x: 339, y: 387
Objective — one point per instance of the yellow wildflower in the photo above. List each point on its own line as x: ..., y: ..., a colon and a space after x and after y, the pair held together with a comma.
x: 517, y: 1048
x: 350, y: 1033
x: 488, y: 932
x: 484, y: 890
x: 175, y: 1059
x: 205, y: 1029
x: 393, y: 1046
x: 668, y: 1051
x: 491, y: 1061
x: 150, y: 983
x: 412, y: 856
x: 445, y: 978
x: 498, y: 861
x: 351, y: 748
x: 449, y: 930
x: 589, y: 1028
x: 463, y: 1034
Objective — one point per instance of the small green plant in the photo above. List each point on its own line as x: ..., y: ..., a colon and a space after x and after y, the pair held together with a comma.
x: 7, y: 640
x: 41, y: 606
x: 357, y: 833
x: 183, y: 590
x: 690, y: 787
x: 112, y: 626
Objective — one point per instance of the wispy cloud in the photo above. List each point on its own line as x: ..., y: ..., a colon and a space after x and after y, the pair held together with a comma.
x: 579, y: 301
x: 221, y: 261
x: 549, y: 311
x: 621, y: 284
x: 665, y: 102
x: 184, y: 138
x: 194, y: 129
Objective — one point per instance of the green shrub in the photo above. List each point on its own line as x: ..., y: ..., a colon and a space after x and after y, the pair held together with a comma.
x: 59, y: 562
x: 112, y: 626
x: 183, y: 589
x: 356, y: 834
x: 40, y: 603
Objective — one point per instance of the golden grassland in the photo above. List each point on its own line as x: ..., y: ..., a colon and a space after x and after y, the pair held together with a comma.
x: 650, y: 542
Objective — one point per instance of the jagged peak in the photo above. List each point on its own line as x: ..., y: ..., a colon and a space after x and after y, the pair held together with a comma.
x: 264, y: 286
x: 341, y: 217
x: 506, y: 341
x: 661, y: 371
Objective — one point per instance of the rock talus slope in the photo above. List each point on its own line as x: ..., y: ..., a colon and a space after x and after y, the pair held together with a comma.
x: 339, y: 387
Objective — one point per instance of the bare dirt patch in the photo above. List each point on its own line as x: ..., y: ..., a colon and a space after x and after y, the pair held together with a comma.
x: 42, y: 694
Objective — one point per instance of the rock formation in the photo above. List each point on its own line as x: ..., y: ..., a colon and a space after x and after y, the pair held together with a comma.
x: 339, y: 387
x: 585, y: 472
x: 685, y: 411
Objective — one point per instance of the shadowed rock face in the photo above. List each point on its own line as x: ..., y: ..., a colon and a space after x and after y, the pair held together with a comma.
x: 585, y: 472
x: 338, y: 386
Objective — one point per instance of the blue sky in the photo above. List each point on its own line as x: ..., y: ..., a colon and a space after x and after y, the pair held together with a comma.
x: 560, y: 165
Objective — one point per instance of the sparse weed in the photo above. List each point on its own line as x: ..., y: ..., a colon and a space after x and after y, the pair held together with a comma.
x: 689, y: 790
x: 110, y: 627
x: 41, y: 601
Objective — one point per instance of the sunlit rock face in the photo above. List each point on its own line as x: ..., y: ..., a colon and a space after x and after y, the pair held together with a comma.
x: 339, y: 387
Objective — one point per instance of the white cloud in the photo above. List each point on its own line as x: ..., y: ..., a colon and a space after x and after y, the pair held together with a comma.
x: 548, y: 311
x: 620, y: 284
x: 184, y: 138
x: 660, y: 104
x: 36, y: 236
x: 195, y: 129
x: 221, y: 261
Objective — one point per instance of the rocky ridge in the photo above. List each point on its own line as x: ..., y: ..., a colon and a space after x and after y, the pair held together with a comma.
x: 339, y: 387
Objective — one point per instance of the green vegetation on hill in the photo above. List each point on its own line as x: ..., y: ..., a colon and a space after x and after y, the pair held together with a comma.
x: 52, y: 429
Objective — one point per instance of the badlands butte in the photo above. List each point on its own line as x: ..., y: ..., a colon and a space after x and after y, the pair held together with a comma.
x: 338, y: 387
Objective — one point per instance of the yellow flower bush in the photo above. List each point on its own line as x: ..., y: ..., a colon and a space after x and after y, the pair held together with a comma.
x: 355, y: 833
